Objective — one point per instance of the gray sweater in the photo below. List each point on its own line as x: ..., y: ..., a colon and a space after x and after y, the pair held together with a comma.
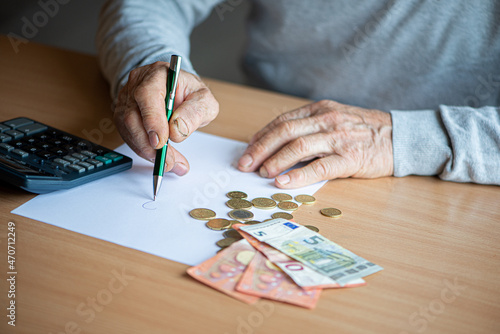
x: 434, y: 65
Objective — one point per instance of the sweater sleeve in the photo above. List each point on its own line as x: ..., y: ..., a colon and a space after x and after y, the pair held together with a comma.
x: 459, y: 144
x: 133, y: 33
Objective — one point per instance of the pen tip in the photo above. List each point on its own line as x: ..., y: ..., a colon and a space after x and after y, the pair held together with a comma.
x: 154, y: 198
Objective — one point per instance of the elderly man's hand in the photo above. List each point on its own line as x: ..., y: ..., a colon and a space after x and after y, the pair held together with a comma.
x: 339, y: 140
x: 141, y: 119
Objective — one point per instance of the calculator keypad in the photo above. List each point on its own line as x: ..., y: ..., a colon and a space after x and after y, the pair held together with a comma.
x: 41, y: 149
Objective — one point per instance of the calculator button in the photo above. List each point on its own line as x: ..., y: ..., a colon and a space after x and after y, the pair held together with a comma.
x: 4, y: 127
x: 15, y: 123
x: 114, y: 156
x: 15, y: 134
x: 45, y: 155
x: 88, y: 153
x: 69, y: 147
x: 58, y: 151
x: 31, y: 149
x: 61, y: 162
x: 31, y: 129
x: 55, y: 141
x: 80, y: 156
x: 30, y: 140
x: 76, y: 168
x: 67, y: 138
x: 4, y: 138
x: 20, y: 153
x: 6, y: 147
x: 96, y: 163
x: 104, y: 159
x: 71, y: 159
x: 44, y: 146
x: 86, y: 165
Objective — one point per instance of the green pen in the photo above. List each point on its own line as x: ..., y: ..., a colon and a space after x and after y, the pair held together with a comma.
x: 172, y: 78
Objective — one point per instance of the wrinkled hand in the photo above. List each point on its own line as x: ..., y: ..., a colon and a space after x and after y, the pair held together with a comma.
x: 141, y: 119
x: 341, y: 140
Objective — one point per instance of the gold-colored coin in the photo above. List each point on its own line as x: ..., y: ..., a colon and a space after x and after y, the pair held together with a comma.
x: 226, y: 242
x: 305, y: 199
x: 232, y: 233
x: 281, y: 197
x: 264, y: 203
x: 284, y: 215
x: 237, y: 194
x: 218, y: 224
x: 238, y: 203
x: 202, y: 214
x: 252, y: 222
x: 244, y: 257
x: 312, y: 228
x: 240, y: 214
x: 331, y: 212
x: 288, y: 206
x: 266, y: 220
x: 234, y: 222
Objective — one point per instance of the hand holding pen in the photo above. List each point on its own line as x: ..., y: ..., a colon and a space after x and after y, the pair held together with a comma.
x: 141, y: 119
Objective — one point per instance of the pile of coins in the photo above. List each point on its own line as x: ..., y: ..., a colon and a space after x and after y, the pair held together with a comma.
x: 241, y: 214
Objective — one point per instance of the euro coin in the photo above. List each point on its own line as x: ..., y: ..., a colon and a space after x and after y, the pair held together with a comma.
x: 312, y: 228
x: 331, y: 212
x: 237, y: 194
x: 240, y: 214
x: 202, y: 214
x: 305, y: 199
x: 266, y: 220
x: 226, y: 242
x: 238, y: 203
x: 252, y: 222
x: 264, y: 203
x: 218, y: 224
x: 232, y: 233
x: 280, y: 197
x: 234, y: 222
x: 284, y: 215
x: 288, y: 206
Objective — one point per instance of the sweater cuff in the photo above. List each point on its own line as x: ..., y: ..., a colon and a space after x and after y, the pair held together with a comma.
x: 420, y: 143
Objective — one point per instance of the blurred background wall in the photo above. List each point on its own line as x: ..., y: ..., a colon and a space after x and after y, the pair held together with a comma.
x: 216, y: 44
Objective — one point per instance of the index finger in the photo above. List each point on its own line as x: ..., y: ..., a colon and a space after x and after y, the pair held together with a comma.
x: 149, y: 95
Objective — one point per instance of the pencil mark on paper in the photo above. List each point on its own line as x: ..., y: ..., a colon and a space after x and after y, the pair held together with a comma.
x: 149, y: 205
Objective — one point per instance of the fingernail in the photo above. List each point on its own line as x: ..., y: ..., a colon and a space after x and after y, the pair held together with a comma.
x: 283, y: 179
x: 181, y: 127
x: 263, y: 172
x: 153, y: 139
x: 245, y: 161
x: 179, y: 169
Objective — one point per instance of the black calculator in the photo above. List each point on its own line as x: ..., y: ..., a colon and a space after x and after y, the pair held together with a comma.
x: 41, y: 159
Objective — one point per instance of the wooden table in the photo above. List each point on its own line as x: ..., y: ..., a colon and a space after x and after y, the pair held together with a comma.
x: 438, y: 241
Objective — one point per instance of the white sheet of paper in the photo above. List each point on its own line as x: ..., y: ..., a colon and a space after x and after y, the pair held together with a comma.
x: 119, y: 208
